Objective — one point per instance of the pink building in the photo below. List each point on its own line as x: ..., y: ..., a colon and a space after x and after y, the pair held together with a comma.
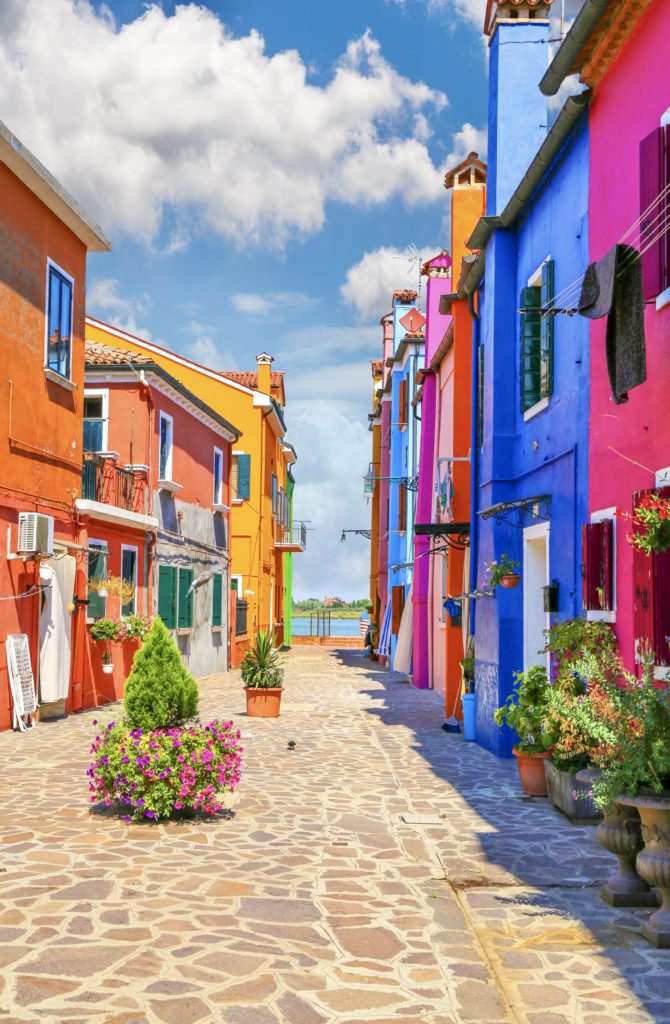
x: 624, y: 61
x: 385, y: 414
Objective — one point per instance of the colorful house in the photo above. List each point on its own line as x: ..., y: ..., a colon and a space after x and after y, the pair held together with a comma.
x: 620, y: 52
x: 372, y: 486
x: 382, y: 410
x: 531, y: 470
x: 154, y: 512
x: 45, y: 236
x: 262, y: 528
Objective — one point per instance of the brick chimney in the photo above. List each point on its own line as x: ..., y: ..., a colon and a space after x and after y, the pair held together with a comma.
x: 265, y: 362
x: 518, y: 33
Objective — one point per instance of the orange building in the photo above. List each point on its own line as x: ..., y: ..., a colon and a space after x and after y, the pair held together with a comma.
x: 154, y: 514
x: 44, y: 239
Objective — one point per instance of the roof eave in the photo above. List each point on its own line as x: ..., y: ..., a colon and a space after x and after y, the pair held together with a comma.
x: 564, y: 60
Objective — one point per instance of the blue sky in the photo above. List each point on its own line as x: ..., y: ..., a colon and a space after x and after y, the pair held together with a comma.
x: 245, y: 156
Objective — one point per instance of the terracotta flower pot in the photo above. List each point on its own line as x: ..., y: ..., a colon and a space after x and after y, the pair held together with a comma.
x: 510, y: 581
x: 263, y: 703
x: 531, y: 772
x: 653, y: 862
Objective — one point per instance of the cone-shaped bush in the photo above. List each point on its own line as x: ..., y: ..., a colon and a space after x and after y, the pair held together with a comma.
x: 160, y: 693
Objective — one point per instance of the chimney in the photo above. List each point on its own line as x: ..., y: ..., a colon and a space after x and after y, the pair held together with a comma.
x: 265, y: 361
x: 519, y: 44
x: 467, y: 182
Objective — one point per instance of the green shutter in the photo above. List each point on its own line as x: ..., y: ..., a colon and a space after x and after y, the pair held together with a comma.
x: 97, y: 570
x: 185, y: 617
x: 217, y: 599
x: 167, y: 595
x: 531, y: 362
x: 547, y: 331
x: 243, y: 477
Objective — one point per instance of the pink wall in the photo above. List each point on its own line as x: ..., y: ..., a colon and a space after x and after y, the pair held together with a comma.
x: 627, y: 106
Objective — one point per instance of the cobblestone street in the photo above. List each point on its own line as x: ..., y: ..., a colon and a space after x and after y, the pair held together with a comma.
x: 383, y: 871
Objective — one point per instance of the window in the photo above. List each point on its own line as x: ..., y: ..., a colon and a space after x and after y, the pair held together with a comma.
x: 598, y: 566
x: 217, y: 599
x: 175, y: 602
x: 95, y: 421
x: 537, y: 338
x: 59, y: 321
x: 165, y: 456
x: 274, y: 495
x: 185, y: 614
x: 397, y: 607
x: 97, y: 574
x: 218, y: 476
x: 402, y: 508
x: 403, y: 402
x: 240, y: 476
x: 651, y: 594
x: 654, y: 211
x: 129, y: 576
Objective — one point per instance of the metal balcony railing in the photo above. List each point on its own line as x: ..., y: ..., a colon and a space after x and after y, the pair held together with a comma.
x: 293, y: 536
x: 104, y: 482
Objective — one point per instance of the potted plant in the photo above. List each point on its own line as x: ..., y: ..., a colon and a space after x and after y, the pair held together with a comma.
x: 263, y: 676
x: 373, y: 634
x: 503, y: 572
x: 651, y: 524
x: 525, y: 711
x: 105, y: 631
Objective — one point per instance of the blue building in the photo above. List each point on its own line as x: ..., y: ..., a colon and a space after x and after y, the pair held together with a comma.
x: 530, y: 468
x: 404, y: 363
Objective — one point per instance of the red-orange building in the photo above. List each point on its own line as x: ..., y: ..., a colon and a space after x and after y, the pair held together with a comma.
x: 44, y: 239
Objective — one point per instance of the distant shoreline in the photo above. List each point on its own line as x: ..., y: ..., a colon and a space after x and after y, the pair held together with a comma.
x: 335, y: 613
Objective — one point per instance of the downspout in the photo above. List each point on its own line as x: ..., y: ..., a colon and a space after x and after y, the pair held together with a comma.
x: 474, y: 456
x: 149, y: 545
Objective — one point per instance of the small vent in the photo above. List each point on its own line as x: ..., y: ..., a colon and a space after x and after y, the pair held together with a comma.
x: 36, y: 534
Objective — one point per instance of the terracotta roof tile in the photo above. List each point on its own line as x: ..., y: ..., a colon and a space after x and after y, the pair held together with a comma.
x: 249, y: 378
x: 405, y: 295
x: 98, y: 354
x: 493, y: 4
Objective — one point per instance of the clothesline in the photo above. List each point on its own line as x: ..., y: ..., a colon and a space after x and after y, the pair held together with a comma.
x: 28, y: 593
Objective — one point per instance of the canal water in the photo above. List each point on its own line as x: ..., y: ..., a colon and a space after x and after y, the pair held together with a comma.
x: 338, y: 627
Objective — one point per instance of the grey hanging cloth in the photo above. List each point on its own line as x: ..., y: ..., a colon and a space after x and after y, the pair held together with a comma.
x: 613, y: 286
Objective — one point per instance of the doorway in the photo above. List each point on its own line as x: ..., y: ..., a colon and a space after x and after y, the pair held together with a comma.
x: 535, y: 577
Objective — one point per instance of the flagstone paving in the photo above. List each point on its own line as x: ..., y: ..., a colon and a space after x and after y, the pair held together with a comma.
x: 382, y: 871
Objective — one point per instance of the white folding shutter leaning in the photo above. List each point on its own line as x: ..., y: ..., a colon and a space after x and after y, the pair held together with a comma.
x: 22, y: 681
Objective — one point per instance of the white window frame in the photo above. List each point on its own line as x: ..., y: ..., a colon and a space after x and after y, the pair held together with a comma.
x: 102, y: 393
x: 535, y: 281
x: 234, y: 500
x: 598, y: 517
x: 131, y: 547
x: 238, y: 577
x: 218, y: 484
x: 92, y: 543
x: 53, y: 375
x: 168, y: 461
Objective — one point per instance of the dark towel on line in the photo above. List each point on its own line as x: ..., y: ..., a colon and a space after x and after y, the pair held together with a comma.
x: 613, y: 286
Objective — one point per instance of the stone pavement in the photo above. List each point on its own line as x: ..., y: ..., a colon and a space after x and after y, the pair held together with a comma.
x: 384, y: 871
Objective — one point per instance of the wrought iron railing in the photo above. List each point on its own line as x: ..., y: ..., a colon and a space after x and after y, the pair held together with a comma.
x: 291, y: 536
x: 109, y: 484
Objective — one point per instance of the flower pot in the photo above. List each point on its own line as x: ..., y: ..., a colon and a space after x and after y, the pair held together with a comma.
x: 569, y: 794
x: 107, y: 668
x: 263, y: 703
x: 620, y: 833
x: 531, y: 772
x: 469, y: 716
x: 510, y: 581
x: 653, y: 861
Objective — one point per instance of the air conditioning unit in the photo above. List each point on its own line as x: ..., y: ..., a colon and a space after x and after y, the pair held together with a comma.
x: 36, y: 534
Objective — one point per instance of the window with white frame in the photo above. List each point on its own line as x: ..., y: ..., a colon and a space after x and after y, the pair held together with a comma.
x: 218, y: 476
x: 129, y: 578
x: 97, y: 578
x: 96, y: 418
x: 60, y: 290
x: 165, y: 454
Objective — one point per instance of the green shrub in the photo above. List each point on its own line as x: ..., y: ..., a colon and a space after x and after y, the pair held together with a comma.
x: 160, y: 693
x: 525, y: 711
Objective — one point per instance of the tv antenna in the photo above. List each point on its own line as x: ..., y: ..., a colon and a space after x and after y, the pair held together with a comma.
x: 415, y: 260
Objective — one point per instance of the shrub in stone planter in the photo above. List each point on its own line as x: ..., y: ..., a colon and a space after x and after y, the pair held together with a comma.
x: 157, y: 773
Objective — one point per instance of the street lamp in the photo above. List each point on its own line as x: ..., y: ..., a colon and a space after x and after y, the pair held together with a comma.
x: 357, y: 533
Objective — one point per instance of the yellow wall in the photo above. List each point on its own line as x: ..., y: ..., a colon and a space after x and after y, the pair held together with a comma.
x: 252, y: 532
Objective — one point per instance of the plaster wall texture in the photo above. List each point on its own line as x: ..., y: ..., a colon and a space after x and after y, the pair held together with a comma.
x: 546, y: 455
x: 625, y: 109
x: 385, y: 464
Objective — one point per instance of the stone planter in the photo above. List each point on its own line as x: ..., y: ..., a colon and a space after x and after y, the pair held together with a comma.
x: 569, y: 794
x: 531, y: 772
x: 653, y: 862
x: 262, y: 702
x: 620, y: 833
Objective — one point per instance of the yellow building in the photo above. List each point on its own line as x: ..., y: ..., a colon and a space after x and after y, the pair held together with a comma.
x: 262, y: 533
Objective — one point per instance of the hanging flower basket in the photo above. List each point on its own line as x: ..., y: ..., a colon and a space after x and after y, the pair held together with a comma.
x: 510, y: 581
x: 503, y: 573
x: 651, y: 524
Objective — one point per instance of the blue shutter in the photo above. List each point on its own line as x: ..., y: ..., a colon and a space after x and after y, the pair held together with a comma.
x: 243, y: 477
x: 167, y: 595
x: 217, y: 599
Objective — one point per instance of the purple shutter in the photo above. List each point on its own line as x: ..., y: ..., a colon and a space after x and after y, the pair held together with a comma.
x: 661, y: 582
x: 591, y: 554
x: 643, y: 591
x: 665, y: 182
x: 607, y: 565
x: 651, y: 184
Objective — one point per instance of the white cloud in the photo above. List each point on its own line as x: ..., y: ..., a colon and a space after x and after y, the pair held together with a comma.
x: 470, y: 11
x: 333, y: 446
x: 171, y: 112
x: 323, y: 344
x: 466, y: 140
x: 268, y: 304
x: 204, y: 350
x: 104, y: 300
x: 370, y: 283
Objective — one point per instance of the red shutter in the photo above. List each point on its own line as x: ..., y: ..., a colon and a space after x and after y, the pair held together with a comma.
x: 651, y: 184
x: 590, y: 545
x: 598, y: 559
x: 397, y: 606
x: 661, y: 581
x: 643, y: 591
x: 607, y: 574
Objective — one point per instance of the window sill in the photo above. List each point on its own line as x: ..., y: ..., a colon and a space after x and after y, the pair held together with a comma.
x: 58, y: 378
x: 238, y: 501
x: 536, y: 409
x: 663, y: 299
x: 183, y: 630
x: 661, y: 673
x: 597, y: 616
x: 220, y: 509
x: 217, y: 629
x: 169, y: 486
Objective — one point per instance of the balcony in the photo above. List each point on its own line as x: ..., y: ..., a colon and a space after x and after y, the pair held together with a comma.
x: 291, y: 538
x: 113, y: 494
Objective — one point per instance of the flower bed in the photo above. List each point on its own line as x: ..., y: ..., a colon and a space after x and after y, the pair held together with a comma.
x: 153, y: 774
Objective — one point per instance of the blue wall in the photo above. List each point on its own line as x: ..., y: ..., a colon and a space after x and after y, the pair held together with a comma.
x: 548, y: 453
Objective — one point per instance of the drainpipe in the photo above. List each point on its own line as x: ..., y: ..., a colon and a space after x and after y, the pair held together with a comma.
x: 474, y: 456
x: 563, y: 63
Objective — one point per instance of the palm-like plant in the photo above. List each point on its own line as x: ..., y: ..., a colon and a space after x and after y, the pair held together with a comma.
x: 262, y: 665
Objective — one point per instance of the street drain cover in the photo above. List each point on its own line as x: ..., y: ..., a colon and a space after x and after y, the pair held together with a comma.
x: 422, y: 819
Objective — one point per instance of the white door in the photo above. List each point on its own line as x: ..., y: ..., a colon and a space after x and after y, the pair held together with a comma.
x: 535, y: 577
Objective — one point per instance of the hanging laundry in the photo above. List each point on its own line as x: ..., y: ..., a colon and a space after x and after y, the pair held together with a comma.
x: 613, y: 287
